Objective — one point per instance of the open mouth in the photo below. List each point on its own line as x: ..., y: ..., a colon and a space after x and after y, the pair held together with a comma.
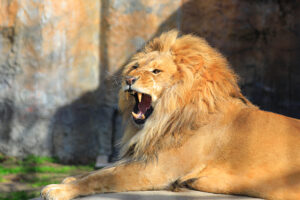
x: 142, y: 108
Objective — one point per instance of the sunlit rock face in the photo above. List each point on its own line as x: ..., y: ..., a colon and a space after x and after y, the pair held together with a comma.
x: 49, y: 55
x: 60, y: 63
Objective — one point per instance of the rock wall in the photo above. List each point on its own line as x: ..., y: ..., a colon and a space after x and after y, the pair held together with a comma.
x: 60, y: 63
x: 49, y: 55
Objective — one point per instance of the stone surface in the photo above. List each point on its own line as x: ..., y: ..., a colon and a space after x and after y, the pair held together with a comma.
x: 60, y: 64
x: 162, y: 195
x: 49, y: 55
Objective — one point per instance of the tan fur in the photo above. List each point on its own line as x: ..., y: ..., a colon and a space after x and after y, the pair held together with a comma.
x: 203, y: 133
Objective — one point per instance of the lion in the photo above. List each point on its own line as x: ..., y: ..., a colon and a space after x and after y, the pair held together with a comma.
x: 190, y: 127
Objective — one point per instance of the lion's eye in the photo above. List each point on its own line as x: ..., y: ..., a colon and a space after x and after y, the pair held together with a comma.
x: 135, y: 66
x: 156, y: 71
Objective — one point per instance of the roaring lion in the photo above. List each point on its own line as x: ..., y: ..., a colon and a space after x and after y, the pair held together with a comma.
x: 190, y: 127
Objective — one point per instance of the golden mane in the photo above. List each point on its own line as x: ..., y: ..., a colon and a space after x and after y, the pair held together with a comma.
x: 205, y: 83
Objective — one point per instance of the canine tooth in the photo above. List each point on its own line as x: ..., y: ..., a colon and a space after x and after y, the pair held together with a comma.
x: 127, y: 95
x: 140, y: 97
x: 136, y: 116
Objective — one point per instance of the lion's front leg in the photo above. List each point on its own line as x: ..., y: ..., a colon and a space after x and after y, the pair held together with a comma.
x: 124, y: 177
x: 59, y: 192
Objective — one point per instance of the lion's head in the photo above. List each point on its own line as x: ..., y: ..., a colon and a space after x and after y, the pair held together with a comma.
x: 171, y: 87
x: 145, y: 79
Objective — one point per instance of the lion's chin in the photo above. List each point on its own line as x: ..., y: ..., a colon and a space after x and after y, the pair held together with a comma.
x: 142, y: 108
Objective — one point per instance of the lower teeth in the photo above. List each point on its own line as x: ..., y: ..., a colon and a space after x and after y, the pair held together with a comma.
x: 138, y: 116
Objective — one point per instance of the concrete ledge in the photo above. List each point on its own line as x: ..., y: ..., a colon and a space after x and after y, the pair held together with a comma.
x: 162, y: 195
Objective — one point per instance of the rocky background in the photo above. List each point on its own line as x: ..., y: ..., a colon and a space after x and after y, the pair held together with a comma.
x: 60, y: 63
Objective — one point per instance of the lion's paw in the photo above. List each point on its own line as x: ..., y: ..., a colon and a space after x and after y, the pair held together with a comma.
x: 57, y: 192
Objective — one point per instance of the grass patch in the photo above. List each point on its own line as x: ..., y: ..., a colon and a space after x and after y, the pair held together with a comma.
x: 41, y: 181
x: 35, y: 169
x: 15, y: 170
x: 41, y: 169
x: 32, y: 173
x: 20, y: 195
x: 2, y: 180
x: 39, y: 160
x: 2, y: 157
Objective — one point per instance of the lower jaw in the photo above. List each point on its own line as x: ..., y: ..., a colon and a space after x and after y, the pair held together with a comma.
x: 147, y: 115
x: 139, y: 121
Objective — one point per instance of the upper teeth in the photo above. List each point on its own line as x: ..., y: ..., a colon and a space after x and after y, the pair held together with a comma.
x: 139, y: 96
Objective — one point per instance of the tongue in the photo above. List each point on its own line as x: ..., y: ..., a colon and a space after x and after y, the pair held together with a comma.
x: 145, y: 103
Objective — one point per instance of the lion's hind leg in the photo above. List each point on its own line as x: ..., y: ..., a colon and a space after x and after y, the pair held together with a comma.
x: 207, y: 180
x: 185, y: 181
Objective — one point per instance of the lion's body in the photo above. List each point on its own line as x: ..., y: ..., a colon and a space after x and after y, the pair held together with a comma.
x: 254, y: 153
x: 202, y: 134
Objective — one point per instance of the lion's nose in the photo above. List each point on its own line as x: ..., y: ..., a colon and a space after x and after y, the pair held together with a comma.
x: 130, y: 80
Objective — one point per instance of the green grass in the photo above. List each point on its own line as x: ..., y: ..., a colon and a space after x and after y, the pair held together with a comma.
x: 40, y: 181
x: 2, y: 157
x: 2, y: 179
x: 15, y: 170
x: 34, y: 172
x: 20, y: 195
x: 49, y: 169
x: 39, y: 160
x: 40, y: 169
x: 36, y: 169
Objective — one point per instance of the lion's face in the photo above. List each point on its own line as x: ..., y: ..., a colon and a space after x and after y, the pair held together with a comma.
x: 144, y: 82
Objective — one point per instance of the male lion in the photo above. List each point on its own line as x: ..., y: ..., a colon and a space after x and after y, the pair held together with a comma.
x: 193, y: 128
